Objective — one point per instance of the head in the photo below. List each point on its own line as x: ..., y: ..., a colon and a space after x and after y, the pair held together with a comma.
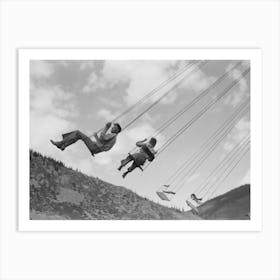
x: 153, y: 141
x: 116, y: 128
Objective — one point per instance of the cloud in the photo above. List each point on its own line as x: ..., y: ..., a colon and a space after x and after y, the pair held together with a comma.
x: 91, y: 83
x: 50, y: 115
x: 142, y: 131
x: 193, y: 177
x: 106, y: 114
x: 112, y: 103
x: 243, y: 91
x: 241, y: 130
x: 197, y: 80
x: 236, y: 73
x: 63, y: 63
x: 88, y: 64
x: 41, y: 69
x: 246, y: 178
x: 50, y: 100
x: 142, y: 77
x: 44, y: 127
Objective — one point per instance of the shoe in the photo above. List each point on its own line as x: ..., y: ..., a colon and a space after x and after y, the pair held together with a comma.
x: 120, y: 167
x: 57, y: 145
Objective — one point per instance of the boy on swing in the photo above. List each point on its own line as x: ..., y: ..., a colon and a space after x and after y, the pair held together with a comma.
x: 146, y: 152
x: 103, y: 142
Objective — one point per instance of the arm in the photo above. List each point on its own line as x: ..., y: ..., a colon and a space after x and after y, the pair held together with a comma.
x: 153, y: 150
x: 141, y: 143
x: 103, y: 134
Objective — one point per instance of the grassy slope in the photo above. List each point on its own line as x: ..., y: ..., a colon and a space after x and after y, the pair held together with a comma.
x: 58, y: 192
x: 233, y: 205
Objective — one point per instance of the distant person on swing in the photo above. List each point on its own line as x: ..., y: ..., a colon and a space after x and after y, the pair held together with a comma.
x: 103, y: 142
x: 146, y: 152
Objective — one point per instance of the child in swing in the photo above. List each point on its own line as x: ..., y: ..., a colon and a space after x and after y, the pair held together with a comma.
x: 196, y: 199
x: 146, y: 152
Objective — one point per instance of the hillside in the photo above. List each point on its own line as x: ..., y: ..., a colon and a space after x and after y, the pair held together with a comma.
x: 233, y: 205
x: 58, y: 192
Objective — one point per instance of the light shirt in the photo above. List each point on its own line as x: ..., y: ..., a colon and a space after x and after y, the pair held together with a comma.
x: 148, y: 145
x: 107, y: 140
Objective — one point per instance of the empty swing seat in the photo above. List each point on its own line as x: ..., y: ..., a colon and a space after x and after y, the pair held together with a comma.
x: 169, y: 192
x: 163, y: 196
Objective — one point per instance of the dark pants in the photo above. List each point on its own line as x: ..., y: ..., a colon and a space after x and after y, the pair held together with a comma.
x: 132, y: 167
x: 73, y: 136
x: 128, y: 160
x: 137, y: 162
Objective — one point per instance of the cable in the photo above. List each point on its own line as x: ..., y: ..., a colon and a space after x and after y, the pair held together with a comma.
x: 195, y: 100
x: 162, y: 97
x: 192, y: 103
x: 204, y: 156
x: 223, y: 164
x: 230, y: 171
x: 154, y: 91
x: 201, y: 113
x: 231, y: 120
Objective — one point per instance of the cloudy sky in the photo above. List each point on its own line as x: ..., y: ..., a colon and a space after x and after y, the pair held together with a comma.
x: 84, y: 95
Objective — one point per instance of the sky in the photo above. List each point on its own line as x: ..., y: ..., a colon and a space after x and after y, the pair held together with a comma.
x: 69, y: 95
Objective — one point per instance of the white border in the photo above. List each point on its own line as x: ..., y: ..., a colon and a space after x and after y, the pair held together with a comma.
x: 254, y: 55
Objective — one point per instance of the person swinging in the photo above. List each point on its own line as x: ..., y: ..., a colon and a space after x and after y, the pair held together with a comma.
x: 196, y: 199
x: 138, y: 159
x: 103, y: 142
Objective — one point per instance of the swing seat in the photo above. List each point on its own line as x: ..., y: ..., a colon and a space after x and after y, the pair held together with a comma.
x: 163, y: 196
x: 169, y: 192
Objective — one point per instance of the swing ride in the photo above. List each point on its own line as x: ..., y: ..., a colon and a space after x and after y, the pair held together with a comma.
x: 193, y: 162
x: 226, y: 166
x: 177, y: 180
